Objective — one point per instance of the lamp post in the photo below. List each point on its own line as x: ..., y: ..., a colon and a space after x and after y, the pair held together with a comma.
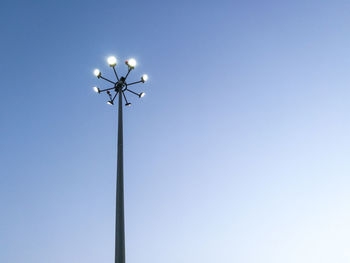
x: 119, y: 87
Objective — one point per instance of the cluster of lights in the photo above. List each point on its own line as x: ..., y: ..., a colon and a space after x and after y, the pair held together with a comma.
x: 120, y: 85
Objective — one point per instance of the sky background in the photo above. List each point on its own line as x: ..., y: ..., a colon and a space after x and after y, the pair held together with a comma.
x: 238, y: 153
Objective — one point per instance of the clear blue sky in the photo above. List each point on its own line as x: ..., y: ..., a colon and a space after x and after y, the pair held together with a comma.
x: 239, y: 153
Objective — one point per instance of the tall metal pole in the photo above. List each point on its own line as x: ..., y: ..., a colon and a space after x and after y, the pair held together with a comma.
x: 120, y: 86
x: 119, y: 224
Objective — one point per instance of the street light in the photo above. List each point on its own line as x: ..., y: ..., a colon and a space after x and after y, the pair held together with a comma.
x: 119, y: 87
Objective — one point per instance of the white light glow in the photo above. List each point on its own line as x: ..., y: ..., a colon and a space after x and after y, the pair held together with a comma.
x: 97, y: 72
x: 96, y: 89
x: 144, y: 77
x: 132, y: 63
x: 112, y: 61
x: 142, y: 94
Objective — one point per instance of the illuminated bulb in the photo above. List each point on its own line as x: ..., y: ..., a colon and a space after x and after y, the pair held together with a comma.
x: 110, y: 102
x: 142, y: 94
x: 97, y: 73
x: 96, y: 89
x: 131, y: 63
x: 112, y: 61
x: 144, y: 77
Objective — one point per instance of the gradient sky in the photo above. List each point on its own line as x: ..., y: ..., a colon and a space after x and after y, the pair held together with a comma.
x: 239, y: 153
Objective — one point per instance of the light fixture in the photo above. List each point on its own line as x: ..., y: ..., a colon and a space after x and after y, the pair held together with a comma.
x: 144, y: 77
x: 120, y: 86
x: 112, y: 61
x: 97, y: 73
x: 131, y: 63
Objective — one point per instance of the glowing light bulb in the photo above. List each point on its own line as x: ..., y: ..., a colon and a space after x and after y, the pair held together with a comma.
x: 142, y: 94
x: 97, y: 73
x: 96, y: 89
x: 131, y: 63
x: 112, y: 61
x: 144, y: 77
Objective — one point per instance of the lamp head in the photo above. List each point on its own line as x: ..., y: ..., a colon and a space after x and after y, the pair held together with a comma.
x: 112, y: 61
x: 144, y: 78
x: 96, y: 89
x: 97, y: 73
x: 131, y: 63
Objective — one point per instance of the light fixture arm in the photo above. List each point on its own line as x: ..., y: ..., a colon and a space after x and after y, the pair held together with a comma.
x: 127, y: 74
x: 107, y: 80
x: 136, y: 82
x: 132, y: 92
x: 115, y: 95
x: 126, y: 100
x: 103, y: 90
x: 115, y: 73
